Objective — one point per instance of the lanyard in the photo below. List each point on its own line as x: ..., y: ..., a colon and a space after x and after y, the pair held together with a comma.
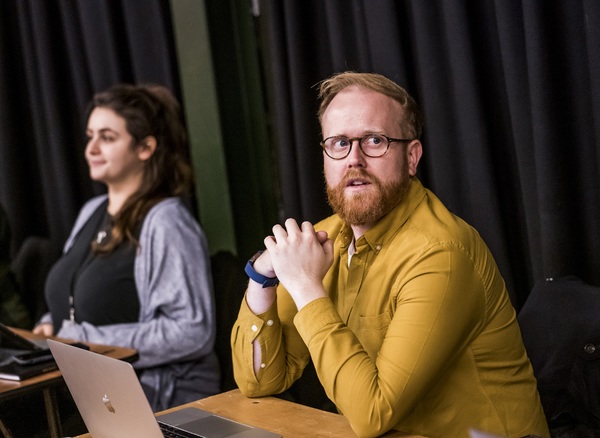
x: 103, y: 226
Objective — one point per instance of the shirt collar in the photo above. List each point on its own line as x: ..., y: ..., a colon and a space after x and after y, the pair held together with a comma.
x: 377, y: 236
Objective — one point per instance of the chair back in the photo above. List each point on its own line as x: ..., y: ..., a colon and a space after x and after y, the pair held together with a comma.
x: 230, y: 284
x: 560, y: 325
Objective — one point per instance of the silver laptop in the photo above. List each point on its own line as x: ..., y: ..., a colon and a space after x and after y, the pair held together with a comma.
x: 112, y: 403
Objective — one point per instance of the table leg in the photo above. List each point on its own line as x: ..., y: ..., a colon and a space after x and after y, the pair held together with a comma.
x: 52, y: 413
x: 4, y: 430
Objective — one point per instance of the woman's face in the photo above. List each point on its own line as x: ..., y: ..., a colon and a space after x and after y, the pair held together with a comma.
x: 111, y: 154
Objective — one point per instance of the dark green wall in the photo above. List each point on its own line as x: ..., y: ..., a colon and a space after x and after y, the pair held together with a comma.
x: 236, y: 180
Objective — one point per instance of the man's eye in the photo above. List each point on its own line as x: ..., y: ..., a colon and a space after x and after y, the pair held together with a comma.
x: 341, y: 143
x: 373, y: 140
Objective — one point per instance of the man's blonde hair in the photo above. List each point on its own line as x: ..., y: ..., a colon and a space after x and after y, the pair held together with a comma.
x: 412, y: 120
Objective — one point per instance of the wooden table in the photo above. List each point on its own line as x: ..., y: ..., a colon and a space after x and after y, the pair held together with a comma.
x: 281, y: 416
x: 46, y: 383
x: 291, y: 420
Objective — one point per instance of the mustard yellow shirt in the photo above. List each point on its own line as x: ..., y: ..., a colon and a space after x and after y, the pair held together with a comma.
x: 418, y: 334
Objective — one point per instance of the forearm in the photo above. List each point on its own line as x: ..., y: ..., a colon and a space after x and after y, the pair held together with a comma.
x: 350, y: 377
x: 259, y: 300
x: 299, y: 260
x: 159, y: 341
x: 283, y: 355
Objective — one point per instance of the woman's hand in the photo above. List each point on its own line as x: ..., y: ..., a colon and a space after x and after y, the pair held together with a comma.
x: 44, y: 329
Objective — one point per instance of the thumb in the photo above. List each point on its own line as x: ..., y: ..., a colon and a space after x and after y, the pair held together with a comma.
x: 322, y: 236
x: 328, y: 249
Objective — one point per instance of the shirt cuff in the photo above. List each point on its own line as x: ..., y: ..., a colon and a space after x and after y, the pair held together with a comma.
x: 256, y: 323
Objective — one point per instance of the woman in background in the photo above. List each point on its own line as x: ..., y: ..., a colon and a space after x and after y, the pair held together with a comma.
x: 135, y: 271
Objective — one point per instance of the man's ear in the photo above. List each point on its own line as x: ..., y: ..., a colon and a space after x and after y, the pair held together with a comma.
x: 413, y: 156
x: 146, y: 148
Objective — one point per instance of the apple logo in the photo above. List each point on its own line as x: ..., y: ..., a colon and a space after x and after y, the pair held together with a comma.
x: 108, y: 404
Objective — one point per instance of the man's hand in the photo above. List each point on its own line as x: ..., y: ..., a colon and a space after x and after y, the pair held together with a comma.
x: 263, y: 265
x: 300, y: 258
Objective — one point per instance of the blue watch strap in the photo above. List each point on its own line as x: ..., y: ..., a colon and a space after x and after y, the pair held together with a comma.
x: 259, y: 278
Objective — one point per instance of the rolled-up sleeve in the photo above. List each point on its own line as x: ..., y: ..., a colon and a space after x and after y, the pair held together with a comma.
x: 283, y: 353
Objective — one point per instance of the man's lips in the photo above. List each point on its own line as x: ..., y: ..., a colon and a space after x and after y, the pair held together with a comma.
x: 355, y: 182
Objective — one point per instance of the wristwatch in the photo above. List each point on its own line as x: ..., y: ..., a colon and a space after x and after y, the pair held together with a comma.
x: 259, y: 278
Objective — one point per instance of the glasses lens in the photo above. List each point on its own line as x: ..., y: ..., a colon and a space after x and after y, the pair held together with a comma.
x: 337, y: 147
x: 374, y: 145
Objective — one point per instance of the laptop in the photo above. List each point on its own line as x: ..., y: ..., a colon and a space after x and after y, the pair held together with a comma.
x: 12, y: 340
x: 112, y: 403
x: 22, y: 358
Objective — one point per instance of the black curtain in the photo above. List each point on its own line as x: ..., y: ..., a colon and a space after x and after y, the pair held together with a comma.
x: 510, y: 91
x: 54, y: 55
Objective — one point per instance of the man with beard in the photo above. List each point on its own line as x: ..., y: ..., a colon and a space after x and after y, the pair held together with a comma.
x: 398, y: 302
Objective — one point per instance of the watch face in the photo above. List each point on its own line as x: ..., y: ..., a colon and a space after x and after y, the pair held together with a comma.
x: 255, y: 256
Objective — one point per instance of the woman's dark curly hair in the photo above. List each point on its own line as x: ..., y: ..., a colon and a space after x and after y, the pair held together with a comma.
x: 148, y: 110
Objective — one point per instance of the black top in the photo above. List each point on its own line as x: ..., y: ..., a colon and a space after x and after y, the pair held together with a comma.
x: 102, y: 286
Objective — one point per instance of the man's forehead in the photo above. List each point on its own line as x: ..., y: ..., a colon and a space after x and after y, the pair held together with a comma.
x: 360, y: 105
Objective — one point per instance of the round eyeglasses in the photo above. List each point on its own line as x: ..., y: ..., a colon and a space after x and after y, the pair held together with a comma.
x: 372, y: 145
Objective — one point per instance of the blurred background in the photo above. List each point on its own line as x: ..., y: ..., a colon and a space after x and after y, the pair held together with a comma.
x: 510, y: 91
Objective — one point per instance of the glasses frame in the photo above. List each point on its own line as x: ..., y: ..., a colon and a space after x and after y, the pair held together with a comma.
x: 360, y: 140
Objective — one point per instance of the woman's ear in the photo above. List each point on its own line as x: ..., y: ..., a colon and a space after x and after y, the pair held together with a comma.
x: 146, y: 148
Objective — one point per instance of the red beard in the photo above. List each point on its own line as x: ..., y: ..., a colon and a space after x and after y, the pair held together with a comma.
x: 370, y: 205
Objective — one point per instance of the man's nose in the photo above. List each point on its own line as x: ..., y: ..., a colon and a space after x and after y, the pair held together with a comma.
x: 356, y: 157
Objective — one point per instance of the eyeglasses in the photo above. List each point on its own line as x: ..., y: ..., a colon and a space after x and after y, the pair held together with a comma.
x: 372, y: 145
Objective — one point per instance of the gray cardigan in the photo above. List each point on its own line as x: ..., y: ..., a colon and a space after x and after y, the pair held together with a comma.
x: 175, y: 333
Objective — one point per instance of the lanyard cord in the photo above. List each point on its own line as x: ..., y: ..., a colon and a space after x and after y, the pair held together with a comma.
x: 103, y: 226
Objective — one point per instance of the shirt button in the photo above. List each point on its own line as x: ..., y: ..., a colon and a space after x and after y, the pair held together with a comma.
x: 262, y: 365
x: 270, y: 322
x: 378, y: 247
x: 254, y: 328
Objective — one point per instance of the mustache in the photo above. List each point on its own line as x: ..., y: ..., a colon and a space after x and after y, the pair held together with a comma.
x: 357, y: 174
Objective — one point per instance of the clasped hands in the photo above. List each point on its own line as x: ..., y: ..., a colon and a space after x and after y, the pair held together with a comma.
x: 300, y: 257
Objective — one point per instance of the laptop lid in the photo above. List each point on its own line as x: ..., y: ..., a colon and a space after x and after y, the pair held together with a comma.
x: 12, y: 340
x: 112, y: 403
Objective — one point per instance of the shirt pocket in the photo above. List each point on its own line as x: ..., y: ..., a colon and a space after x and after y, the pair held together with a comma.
x: 371, y: 331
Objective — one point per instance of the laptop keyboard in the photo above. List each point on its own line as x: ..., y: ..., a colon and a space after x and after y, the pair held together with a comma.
x: 173, y: 432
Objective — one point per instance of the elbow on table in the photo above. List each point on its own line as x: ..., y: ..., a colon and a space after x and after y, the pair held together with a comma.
x: 367, y: 432
x: 366, y: 426
x: 251, y: 391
